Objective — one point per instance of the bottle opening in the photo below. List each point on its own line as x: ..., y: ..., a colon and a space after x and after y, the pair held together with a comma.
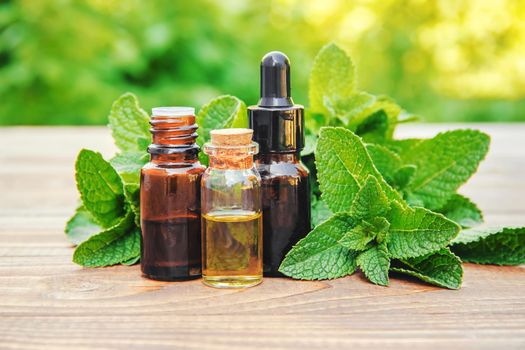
x: 172, y: 111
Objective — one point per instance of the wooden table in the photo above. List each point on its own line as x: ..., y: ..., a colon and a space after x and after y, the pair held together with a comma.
x: 47, y: 302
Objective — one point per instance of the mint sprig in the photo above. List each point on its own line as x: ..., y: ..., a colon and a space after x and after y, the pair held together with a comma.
x: 380, y: 224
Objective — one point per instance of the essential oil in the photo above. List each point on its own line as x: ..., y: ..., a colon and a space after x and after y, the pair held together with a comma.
x: 231, y: 212
x: 278, y: 126
x: 170, y: 198
x: 232, y: 254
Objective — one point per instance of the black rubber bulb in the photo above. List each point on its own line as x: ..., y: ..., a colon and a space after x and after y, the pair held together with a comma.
x: 275, y: 80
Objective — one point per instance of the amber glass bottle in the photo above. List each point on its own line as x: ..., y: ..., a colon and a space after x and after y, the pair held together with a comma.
x: 278, y: 126
x: 231, y: 212
x: 170, y: 198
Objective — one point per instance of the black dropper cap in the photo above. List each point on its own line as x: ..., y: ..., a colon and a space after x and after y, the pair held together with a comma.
x: 275, y: 80
x: 278, y: 124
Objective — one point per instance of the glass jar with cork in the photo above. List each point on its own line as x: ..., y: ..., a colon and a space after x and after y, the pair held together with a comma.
x: 231, y: 211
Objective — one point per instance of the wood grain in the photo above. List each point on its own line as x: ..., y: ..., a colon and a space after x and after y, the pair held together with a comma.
x: 47, y: 302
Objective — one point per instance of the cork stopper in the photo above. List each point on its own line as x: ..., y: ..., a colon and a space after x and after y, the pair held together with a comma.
x: 231, y: 137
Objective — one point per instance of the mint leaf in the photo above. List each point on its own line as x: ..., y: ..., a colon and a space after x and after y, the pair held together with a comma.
x: 365, y: 232
x: 374, y: 128
x: 370, y: 201
x: 375, y: 263
x: 100, y: 187
x: 132, y: 193
x: 222, y: 112
x: 343, y: 165
x: 132, y: 261
x: 403, y: 147
x: 384, y: 113
x: 500, y: 246
x: 461, y: 210
x: 320, y: 211
x: 310, y: 141
x: 319, y: 255
x: 332, y: 79
x: 418, y: 231
x: 386, y: 161
x: 345, y: 110
x: 403, y: 176
x: 117, y: 244
x: 129, y: 164
x: 129, y: 124
x: 81, y: 226
x: 443, y: 164
x: 441, y: 268
x: 358, y: 237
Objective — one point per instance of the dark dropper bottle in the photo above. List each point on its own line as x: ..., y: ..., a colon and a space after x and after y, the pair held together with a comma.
x: 278, y: 126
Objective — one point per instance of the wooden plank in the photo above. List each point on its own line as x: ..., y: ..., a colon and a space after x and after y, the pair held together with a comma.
x: 47, y: 302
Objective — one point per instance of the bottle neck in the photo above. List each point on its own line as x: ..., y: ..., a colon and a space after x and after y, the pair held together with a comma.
x: 269, y: 158
x: 173, y: 139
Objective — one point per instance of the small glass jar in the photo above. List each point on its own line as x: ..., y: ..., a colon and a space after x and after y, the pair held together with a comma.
x: 170, y: 198
x: 231, y: 211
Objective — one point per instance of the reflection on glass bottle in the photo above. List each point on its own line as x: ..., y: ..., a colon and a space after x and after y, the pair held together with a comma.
x: 231, y: 212
x: 170, y: 198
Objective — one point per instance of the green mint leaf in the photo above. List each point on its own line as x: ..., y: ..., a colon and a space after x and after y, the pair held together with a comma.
x: 365, y: 232
x: 310, y: 141
x: 390, y: 165
x: 444, y: 163
x: 370, y: 201
x: 129, y: 164
x: 320, y: 211
x: 417, y: 231
x: 132, y: 261
x: 374, y: 128
x: 343, y: 165
x: 346, y: 110
x: 81, y: 226
x: 115, y: 245
x: 375, y: 263
x: 132, y: 193
x: 358, y: 237
x: 319, y: 255
x: 381, y: 107
x: 461, y: 210
x: 403, y: 176
x: 332, y: 79
x: 500, y: 246
x: 386, y: 161
x: 220, y: 113
x: 129, y: 124
x: 381, y: 227
x: 441, y: 268
x: 403, y: 147
x: 100, y: 187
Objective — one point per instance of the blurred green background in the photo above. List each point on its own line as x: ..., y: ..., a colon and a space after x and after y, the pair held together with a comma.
x: 65, y: 61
